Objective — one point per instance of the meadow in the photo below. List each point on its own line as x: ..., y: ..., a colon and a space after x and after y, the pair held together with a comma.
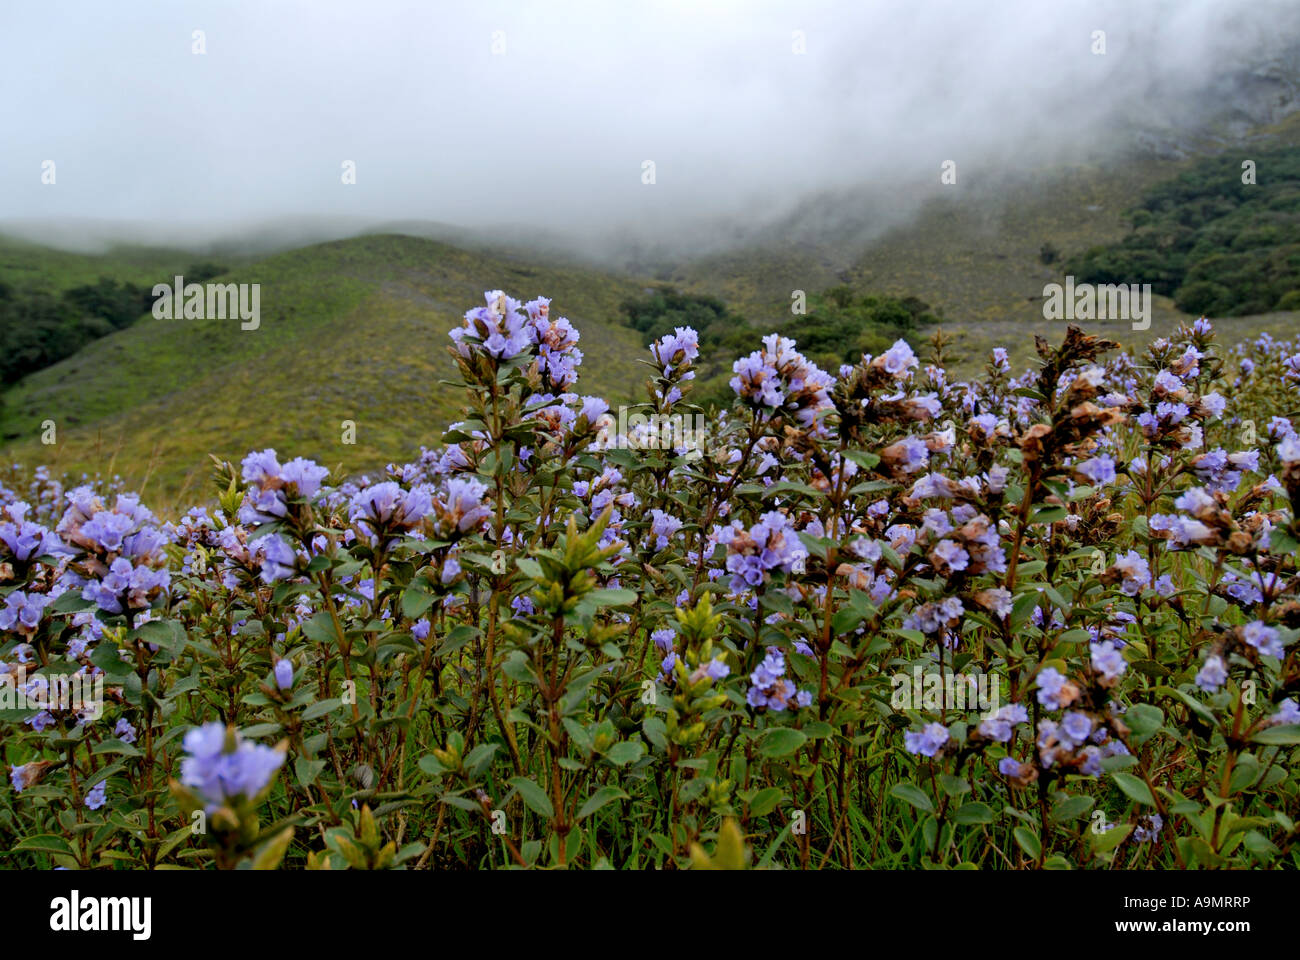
x: 542, y: 644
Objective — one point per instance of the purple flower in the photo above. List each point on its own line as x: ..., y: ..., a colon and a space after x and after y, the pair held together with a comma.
x: 271, y: 486
x: 124, y: 731
x: 96, y: 795
x: 899, y: 359
x: 1135, y: 571
x: 1288, y: 713
x: 663, y: 527
x: 1149, y: 828
x: 717, y: 668
x: 137, y: 586
x: 951, y: 554
x: 22, y: 611
x: 1107, y: 659
x: 1263, y: 638
x: 779, y: 378
x: 388, y: 507
x: 1051, y: 684
x: 220, y: 772
x: 771, y: 544
x: 928, y: 741
x: 1100, y: 470
x: 24, y: 540
x: 498, y: 329
x: 1212, y: 675
x: 283, y: 674
x: 21, y: 777
x: 998, y: 725
x: 664, y: 639
x: 459, y: 506
x: 1076, y: 725
x: 676, y: 350
x: 276, y: 557
x: 593, y: 408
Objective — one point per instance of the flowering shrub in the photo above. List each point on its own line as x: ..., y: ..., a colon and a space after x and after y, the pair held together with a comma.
x: 535, y: 645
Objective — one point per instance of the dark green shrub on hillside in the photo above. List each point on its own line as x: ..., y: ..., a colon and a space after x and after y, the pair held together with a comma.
x: 840, y: 325
x: 1218, y: 246
x: 40, y: 327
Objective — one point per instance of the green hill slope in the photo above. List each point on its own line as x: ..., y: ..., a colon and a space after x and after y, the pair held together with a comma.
x: 25, y: 265
x: 350, y: 330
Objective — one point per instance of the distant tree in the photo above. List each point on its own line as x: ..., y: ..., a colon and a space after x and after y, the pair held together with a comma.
x: 203, y: 272
x: 118, y: 303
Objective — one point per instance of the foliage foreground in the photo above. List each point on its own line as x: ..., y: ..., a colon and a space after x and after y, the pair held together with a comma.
x: 872, y: 618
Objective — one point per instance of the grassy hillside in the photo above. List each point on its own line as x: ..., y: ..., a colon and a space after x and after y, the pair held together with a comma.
x: 27, y: 266
x: 350, y: 330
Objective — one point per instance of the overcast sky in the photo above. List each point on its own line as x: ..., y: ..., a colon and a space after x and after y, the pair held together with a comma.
x: 553, y: 131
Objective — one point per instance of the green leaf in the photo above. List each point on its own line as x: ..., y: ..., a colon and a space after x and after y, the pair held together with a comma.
x: 1110, y: 839
x: 432, y: 766
x: 625, y: 752
x: 913, y: 795
x: 781, y: 741
x: 1028, y: 841
x: 307, y: 770
x: 168, y: 634
x: 45, y: 843
x: 1198, y: 708
x: 973, y: 812
x: 1283, y: 735
x: 70, y: 601
x: 846, y: 620
x: 777, y: 602
x: 320, y: 708
x: 1071, y: 808
x: 765, y: 801
x: 1144, y: 720
x: 598, y: 799
x: 865, y: 460
x: 534, y: 796
x: 457, y: 638
x: 477, y: 759
x: 117, y: 746
x: 1023, y: 605
x: 273, y: 851
x: 415, y: 601
x: 1135, y: 788
x: 655, y: 732
x: 320, y: 629
x: 105, y: 657
x: 817, y: 730
x: 954, y: 786
x: 530, y: 568
x: 729, y: 854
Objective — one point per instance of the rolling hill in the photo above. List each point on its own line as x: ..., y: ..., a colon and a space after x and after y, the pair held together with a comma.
x: 350, y: 330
